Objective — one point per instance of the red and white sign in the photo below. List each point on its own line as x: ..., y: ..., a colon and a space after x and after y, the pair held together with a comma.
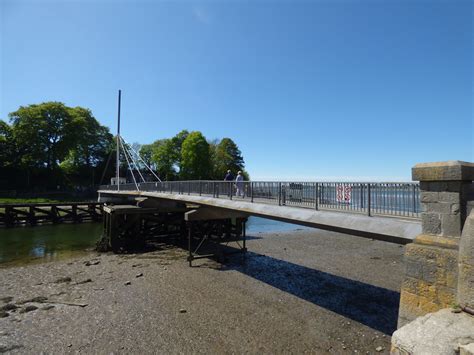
x: 343, y: 193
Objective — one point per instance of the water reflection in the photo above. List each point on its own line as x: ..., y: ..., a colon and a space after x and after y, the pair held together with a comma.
x: 47, y: 243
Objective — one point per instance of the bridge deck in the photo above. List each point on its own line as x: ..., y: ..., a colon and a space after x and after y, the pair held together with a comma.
x: 396, y: 230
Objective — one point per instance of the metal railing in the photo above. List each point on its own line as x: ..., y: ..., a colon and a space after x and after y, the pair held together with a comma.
x: 380, y: 198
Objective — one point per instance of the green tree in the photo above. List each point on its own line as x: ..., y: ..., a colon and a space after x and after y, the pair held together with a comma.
x: 7, y: 145
x: 227, y: 156
x: 164, y: 159
x: 177, y: 143
x: 58, y: 143
x: 146, y: 152
x: 93, y: 142
x: 195, y: 158
x: 46, y: 132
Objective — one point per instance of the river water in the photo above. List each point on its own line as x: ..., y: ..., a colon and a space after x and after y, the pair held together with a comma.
x: 20, y: 246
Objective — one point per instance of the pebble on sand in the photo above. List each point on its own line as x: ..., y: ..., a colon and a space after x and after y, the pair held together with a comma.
x: 127, y: 283
x: 8, y: 307
x: 92, y: 262
x: 63, y: 279
x: 83, y: 281
x: 379, y: 348
x: 182, y: 310
x: 28, y: 309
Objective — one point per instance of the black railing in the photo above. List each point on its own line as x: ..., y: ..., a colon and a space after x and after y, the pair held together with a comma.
x: 378, y: 198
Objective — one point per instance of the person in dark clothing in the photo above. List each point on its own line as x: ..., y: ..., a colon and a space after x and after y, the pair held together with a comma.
x: 229, y: 176
x: 228, y: 187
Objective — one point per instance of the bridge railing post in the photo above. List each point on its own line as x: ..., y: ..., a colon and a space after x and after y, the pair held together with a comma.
x: 414, y: 200
x: 368, y: 200
x: 251, y: 191
x: 316, y: 194
x: 230, y: 190
x: 279, y: 194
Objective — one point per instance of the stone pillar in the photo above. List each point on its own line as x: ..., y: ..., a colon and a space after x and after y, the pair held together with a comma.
x: 465, y: 296
x: 431, y: 261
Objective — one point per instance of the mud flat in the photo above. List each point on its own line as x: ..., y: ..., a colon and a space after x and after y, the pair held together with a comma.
x: 299, y: 292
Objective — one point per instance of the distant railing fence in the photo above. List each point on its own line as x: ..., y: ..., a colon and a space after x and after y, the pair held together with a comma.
x: 381, y: 198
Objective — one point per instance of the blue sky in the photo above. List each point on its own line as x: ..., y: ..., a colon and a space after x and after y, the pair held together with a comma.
x: 310, y: 90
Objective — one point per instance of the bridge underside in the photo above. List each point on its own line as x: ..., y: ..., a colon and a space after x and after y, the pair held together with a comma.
x: 390, y: 229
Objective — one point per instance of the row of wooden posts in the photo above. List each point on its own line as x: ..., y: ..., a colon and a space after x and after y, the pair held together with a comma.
x: 12, y: 215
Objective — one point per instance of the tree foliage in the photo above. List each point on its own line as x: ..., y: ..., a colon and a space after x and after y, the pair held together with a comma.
x: 189, y: 156
x: 227, y: 156
x: 164, y: 159
x: 64, y: 145
x: 50, y: 144
x: 195, y: 158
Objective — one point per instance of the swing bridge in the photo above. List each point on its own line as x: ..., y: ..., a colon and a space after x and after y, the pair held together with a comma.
x: 140, y: 205
x: 211, y: 210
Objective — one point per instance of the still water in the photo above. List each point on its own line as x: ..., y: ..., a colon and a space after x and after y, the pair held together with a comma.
x: 49, y: 243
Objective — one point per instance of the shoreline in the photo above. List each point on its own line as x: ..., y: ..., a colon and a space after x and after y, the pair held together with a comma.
x: 298, y: 291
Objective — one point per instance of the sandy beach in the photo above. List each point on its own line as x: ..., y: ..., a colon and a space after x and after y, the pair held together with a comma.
x: 296, y: 292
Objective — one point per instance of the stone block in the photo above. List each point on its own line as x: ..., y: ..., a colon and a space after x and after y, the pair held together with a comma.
x: 453, y: 170
x: 431, y: 223
x: 456, y: 186
x: 452, y: 279
x: 429, y: 196
x: 414, y: 269
x: 451, y: 225
x: 430, y: 283
x: 430, y: 272
x: 445, y: 296
x: 436, y: 241
x: 466, y: 349
x: 433, y: 186
x: 451, y: 197
x: 440, y: 333
x: 438, y: 207
x: 440, y: 186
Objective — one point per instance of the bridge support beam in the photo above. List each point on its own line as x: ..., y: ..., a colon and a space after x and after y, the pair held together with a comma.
x: 431, y: 280
x: 215, y: 225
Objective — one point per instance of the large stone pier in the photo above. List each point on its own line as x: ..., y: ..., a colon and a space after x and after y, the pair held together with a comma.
x: 432, y: 273
x: 437, y: 297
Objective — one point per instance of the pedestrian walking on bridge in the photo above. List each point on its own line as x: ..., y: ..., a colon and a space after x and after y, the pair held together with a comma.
x: 229, y: 176
x: 239, y: 182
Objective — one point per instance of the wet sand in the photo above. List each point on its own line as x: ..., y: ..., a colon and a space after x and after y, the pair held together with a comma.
x: 297, y: 292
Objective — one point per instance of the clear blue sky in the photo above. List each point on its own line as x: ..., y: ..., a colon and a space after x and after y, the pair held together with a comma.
x: 308, y: 89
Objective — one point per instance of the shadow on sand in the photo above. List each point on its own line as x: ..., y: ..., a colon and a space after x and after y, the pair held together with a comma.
x: 373, y: 306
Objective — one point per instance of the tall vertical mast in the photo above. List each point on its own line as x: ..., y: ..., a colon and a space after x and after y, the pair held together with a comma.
x: 118, y: 142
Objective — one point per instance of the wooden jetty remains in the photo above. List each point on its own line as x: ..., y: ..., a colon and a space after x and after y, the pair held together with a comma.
x: 203, y: 231
x: 31, y: 214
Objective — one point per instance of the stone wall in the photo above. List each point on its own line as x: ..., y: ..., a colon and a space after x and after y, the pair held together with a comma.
x: 430, y: 280
x: 433, y: 261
